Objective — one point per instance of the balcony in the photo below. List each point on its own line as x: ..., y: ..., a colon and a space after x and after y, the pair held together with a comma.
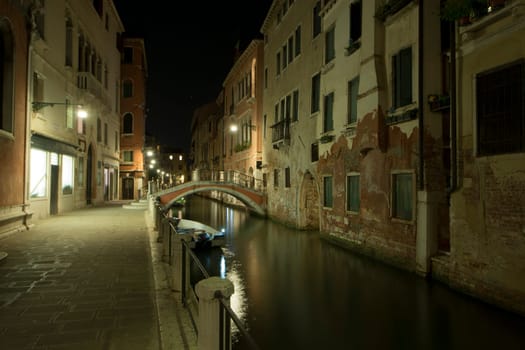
x: 89, y: 84
x: 280, y: 132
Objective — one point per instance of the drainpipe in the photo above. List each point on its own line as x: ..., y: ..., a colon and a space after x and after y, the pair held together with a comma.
x: 420, y: 98
x: 453, y: 111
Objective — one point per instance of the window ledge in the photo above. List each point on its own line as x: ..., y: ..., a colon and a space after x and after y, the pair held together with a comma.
x: 350, y: 130
x: 402, y: 114
x: 7, y: 135
x: 328, y: 66
x: 352, y: 47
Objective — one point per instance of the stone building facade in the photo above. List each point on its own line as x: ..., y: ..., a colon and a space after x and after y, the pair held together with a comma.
x: 242, y: 89
x: 14, y: 32
x: 293, y: 51
x: 134, y: 73
x: 74, y: 64
x: 487, y: 209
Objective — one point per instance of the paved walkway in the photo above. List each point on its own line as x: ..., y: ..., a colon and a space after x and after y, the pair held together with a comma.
x: 89, y: 279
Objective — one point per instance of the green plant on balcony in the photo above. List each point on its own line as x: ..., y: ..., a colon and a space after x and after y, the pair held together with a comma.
x: 438, y: 102
x: 464, y: 11
x: 242, y: 147
x: 67, y: 189
x: 326, y: 138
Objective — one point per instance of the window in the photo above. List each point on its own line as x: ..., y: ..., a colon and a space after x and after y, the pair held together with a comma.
x: 127, y: 55
x: 6, y: 77
x: 287, y: 177
x: 127, y: 125
x: 290, y: 49
x: 69, y: 114
x: 264, y: 126
x: 99, y: 130
x: 317, y: 19
x: 275, y: 177
x: 329, y: 48
x: 327, y: 192
x: 295, y: 105
x: 81, y: 126
x: 316, y: 92
x: 116, y: 141
x: 402, y: 199
x: 40, y: 20
x: 297, y: 41
x: 106, y: 134
x: 288, y: 106
x: 353, y: 89
x: 80, y: 172
x: 355, y: 21
x: 278, y: 57
x: 127, y: 88
x: 38, y: 173
x: 328, y: 121
x: 285, y: 57
x: 265, y: 78
x: 352, y: 193
x: 276, y: 113
x: 500, y: 107
x: 69, y: 43
x: 127, y: 156
x: 67, y: 174
x: 402, y: 78
x: 315, y: 152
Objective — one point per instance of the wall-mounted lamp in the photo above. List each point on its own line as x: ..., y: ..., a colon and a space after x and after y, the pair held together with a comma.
x: 234, y: 127
x: 38, y: 105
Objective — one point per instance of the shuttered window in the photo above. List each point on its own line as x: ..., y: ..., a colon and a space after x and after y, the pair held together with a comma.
x: 500, y: 106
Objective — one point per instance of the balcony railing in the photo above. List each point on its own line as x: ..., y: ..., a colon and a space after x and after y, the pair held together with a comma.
x: 281, y: 131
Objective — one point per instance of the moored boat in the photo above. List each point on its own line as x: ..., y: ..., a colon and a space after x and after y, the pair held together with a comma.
x: 203, y: 236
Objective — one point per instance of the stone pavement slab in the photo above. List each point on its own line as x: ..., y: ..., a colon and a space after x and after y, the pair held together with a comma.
x: 86, y: 280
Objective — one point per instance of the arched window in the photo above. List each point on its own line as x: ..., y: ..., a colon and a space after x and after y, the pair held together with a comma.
x: 6, y: 76
x: 127, y: 88
x: 127, y: 125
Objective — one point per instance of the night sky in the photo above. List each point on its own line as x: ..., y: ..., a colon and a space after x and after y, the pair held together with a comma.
x: 189, y: 52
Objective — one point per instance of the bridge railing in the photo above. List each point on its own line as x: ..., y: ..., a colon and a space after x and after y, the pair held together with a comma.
x: 231, y: 176
x: 211, y: 294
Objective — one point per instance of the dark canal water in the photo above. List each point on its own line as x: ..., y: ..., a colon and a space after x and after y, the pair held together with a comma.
x: 294, y: 290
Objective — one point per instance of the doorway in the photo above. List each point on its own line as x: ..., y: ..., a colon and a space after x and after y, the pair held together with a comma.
x: 127, y: 188
x: 53, y: 194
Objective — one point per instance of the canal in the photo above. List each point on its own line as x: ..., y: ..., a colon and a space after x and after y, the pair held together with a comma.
x: 294, y: 290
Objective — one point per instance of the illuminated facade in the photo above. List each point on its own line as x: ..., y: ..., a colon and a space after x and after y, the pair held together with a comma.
x: 73, y: 161
x: 133, y: 119
x: 243, y: 121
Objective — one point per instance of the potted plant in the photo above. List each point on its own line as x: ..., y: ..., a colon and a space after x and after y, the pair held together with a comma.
x: 463, y: 11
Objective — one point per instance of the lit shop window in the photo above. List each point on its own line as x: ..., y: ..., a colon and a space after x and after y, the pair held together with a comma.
x: 38, y: 176
x: 67, y: 174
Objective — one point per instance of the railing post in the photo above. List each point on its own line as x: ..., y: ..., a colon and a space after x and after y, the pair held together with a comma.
x: 211, y: 335
x: 180, y: 261
x: 165, y: 237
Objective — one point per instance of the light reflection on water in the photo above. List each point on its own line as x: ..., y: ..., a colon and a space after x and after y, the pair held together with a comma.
x: 295, y: 291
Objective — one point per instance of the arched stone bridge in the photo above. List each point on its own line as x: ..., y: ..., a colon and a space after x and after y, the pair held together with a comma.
x: 254, y: 200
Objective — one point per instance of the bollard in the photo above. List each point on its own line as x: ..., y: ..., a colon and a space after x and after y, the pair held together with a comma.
x: 210, y: 332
